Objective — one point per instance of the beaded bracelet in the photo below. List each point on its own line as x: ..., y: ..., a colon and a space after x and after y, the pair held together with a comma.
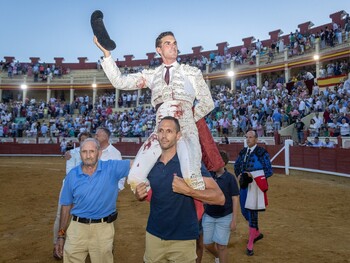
x: 61, y: 232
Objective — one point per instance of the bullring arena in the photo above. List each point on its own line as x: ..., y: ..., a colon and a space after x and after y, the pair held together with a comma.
x: 308, y: 213
x: 306, y: 221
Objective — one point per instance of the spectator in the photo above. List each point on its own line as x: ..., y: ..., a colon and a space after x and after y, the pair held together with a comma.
x: 277, y: 119
x: 328, y: 144
x: 344, y: 127
x: 269, y: 126
x: 259, y: 45
x: 128, y: 99
x: 224, y: 140
x: 334, y: 128
x: 302, y: 107
x: 281, y: 45
x: 260, y: 129
x: 347, y: 30
x: 44, y: 130
x: 300, y: 126
x: 70, y: 145
x: 270, y: 56
x: 134, y: 99
x: 318, y: 119
x: 63, y: 146
x: 315, y: 143
x: 314, y: 128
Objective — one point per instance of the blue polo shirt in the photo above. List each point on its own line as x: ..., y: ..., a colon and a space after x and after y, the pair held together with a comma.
x: 172, y: 215
x: 94, y: 196
x: 228, y: 185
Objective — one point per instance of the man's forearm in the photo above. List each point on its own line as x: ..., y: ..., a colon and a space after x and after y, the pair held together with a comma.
x: 209, y: 196
x: 65, y: 214
x: 212, y: 194
x: 235, y: 202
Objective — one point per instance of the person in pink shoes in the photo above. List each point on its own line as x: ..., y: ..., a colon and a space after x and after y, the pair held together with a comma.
x: 252, y: 168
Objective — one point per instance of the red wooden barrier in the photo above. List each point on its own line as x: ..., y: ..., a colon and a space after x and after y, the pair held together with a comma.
x: 333, y: 160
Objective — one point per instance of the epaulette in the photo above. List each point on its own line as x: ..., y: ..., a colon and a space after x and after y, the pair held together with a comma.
x: 190, y: 70
x: 243, y: 151
x: 259, y: 151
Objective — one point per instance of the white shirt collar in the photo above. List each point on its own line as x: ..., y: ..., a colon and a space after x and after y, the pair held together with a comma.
x: 253, y: 148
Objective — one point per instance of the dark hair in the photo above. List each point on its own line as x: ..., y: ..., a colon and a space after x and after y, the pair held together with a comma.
x: 161, y: 35
x: 171, y: 118
x: 224, y: 157
x: 87, y: 134
x: 255, y: 133
x: 107, y: 131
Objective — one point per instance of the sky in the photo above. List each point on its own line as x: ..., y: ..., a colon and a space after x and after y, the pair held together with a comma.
x: 49, y: 29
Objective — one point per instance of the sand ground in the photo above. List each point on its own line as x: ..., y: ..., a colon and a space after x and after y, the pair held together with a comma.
x: 307, y: 219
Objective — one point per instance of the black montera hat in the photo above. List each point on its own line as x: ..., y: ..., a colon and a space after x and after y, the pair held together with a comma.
x: 100, y: 31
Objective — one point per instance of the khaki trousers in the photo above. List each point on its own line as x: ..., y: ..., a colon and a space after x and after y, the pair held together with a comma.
x: 93, y: 239
x: 175, y: 251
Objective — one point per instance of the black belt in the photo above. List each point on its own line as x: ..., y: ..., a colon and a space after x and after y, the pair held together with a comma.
x: 108, y: 219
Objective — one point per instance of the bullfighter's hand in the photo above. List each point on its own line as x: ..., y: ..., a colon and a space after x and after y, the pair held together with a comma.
x: 141, y: 191
x: 106, y: 52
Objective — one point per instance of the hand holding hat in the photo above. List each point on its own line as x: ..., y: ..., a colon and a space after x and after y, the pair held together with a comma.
x: 100, y: 31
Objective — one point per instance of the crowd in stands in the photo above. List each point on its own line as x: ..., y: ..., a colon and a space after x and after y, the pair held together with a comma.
x: 275, y: 105
x: 266, y: 110
x: 61, y: 119
x: 316, y: 142
x: 298, y: 44
x: 38, y: 71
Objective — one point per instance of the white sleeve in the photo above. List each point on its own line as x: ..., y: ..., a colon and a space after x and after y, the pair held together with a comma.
x: 73, y: 161
x: 119, y: 81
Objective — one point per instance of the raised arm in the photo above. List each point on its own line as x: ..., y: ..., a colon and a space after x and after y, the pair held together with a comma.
x: 124, y: 82
x: 105, y: 52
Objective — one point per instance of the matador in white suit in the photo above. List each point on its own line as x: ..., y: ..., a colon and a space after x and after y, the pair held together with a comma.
x: 186, y: 97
